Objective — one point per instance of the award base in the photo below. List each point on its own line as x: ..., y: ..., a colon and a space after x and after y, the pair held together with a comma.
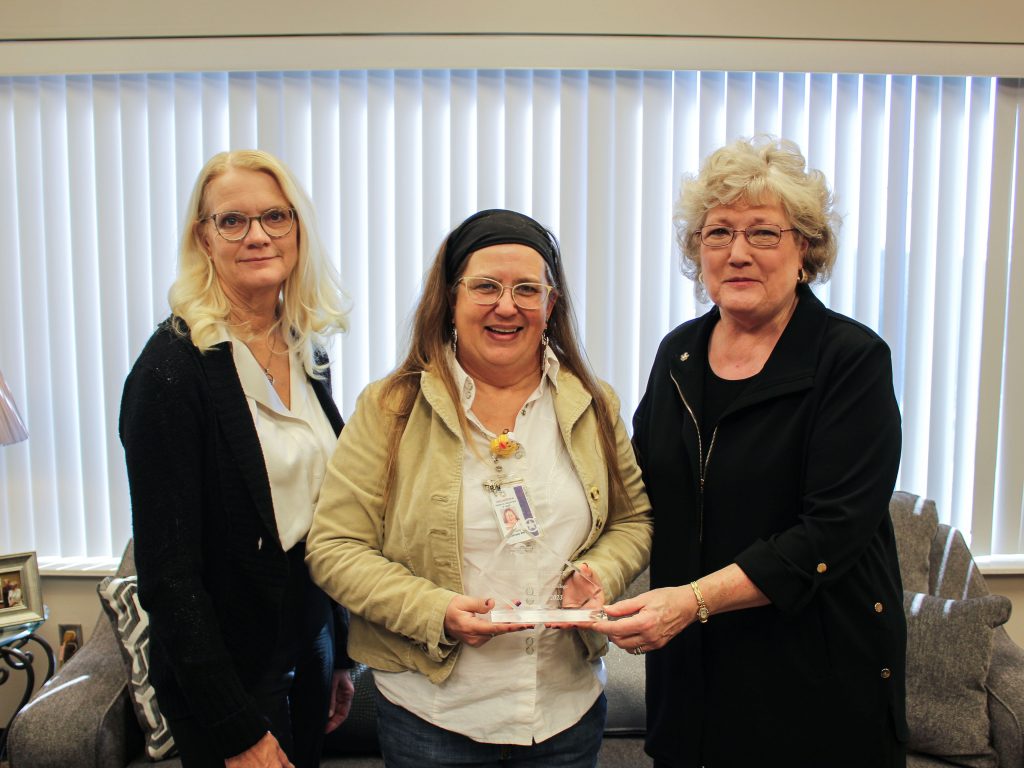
x: 545, y: 615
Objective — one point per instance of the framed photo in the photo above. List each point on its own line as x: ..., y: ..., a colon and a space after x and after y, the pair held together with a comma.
x: 21, y: 600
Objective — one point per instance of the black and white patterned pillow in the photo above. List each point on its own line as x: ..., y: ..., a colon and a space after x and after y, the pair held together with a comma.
x: 120, y: 600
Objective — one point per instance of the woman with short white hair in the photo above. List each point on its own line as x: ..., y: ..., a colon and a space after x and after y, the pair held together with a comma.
x: 769, y: 439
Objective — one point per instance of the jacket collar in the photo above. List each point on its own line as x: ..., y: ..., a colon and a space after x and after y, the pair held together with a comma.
x: 235, y: 419
x: 570, y: 398
x: 790, y: 367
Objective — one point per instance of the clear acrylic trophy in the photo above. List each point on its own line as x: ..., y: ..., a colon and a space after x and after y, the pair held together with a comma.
x: 525, y: 577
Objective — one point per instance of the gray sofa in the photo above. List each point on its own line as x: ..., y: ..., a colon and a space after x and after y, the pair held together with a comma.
x: 83, y: 716
x: 965, y: 676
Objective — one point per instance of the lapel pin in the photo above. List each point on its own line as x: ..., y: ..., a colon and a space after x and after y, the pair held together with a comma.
x: 684, y: 357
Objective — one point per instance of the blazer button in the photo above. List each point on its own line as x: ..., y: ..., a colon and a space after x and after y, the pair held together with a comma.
x: 821, y: 568
x: 595, y: 493
x: 886, y: 673
x: 879, y: 608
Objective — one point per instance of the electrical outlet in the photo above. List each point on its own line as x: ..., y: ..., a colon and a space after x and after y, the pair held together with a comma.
x: 70, y: 639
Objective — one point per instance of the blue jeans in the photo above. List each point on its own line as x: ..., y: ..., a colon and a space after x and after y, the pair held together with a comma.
x: 407, y: 741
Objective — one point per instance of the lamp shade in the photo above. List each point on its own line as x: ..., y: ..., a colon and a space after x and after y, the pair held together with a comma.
x: 12, y: 428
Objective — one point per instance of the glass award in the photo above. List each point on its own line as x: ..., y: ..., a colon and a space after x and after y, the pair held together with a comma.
x: 526, y: 579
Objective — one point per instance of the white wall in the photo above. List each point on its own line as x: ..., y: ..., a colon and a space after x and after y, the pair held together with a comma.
x: 900, y: 20
x: 896, y: 36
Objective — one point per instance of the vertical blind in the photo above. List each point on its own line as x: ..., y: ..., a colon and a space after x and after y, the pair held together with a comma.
x: 95, y: 172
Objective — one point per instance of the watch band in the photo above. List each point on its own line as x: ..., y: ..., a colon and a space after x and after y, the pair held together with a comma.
x: 702, y: 607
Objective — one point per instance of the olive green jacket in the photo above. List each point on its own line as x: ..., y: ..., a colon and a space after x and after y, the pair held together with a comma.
x: 397, y: 569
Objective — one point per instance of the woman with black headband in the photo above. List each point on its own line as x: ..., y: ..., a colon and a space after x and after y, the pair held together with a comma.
x: 493, y: 409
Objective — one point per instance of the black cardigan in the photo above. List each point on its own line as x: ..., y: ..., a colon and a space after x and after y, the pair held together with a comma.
x: 796, y: 490
x: 211, y: 568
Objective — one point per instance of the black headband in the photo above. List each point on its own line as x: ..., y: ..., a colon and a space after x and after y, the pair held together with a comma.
x: 497, y: 227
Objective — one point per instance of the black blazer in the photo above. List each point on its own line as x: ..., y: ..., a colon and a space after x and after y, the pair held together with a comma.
x: 796, y: 484
x: 211, y: 569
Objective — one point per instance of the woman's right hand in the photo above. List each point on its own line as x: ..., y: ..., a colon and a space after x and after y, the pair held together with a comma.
x: 265, y: 753
x: 462, y: 623
x: 648, y: 621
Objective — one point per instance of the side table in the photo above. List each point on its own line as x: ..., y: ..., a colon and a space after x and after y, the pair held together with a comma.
x: 15, y: 657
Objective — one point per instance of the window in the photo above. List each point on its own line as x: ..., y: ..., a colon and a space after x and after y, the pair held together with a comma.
x: 97, y: 169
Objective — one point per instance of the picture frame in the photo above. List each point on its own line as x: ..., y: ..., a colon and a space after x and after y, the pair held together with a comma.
x: 21, y: 595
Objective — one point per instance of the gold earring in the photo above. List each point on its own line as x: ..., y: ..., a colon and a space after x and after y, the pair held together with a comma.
x: 801, y: 276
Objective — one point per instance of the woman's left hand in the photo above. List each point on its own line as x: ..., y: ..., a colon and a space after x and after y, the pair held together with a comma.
x: 342, y: 693
x: 581, y: 590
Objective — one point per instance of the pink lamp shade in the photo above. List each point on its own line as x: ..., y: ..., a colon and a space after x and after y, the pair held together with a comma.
x: 12, y: 428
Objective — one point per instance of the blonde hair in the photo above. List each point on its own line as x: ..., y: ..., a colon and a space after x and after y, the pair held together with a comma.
x: 759, y: 171
x: 431, y: 338
x: 312, y: 306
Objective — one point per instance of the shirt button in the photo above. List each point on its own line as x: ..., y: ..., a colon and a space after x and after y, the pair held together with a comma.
x: 529, y: 651
x: 821, y: 568
x: 879, y: 608
x: 886, y: 673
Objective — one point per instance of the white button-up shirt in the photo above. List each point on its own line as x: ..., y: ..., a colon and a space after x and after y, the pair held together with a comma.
x: 297, y: 442
x: 524, y: 686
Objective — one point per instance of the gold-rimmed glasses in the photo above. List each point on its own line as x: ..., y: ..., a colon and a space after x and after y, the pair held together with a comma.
x: 759, y: 235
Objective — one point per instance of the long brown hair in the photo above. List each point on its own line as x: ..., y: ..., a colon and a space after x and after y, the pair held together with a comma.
x: 432, y: 336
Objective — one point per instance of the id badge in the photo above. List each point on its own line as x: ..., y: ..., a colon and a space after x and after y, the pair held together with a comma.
x: 512, y: 511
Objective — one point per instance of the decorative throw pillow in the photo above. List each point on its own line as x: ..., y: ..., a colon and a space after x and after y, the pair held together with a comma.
x: 915, y: 521
x: 119, y: 597
x: 949, y: 648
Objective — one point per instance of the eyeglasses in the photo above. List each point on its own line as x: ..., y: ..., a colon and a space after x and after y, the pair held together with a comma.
x: 760, y: 236
x: 485, y: 291
x: 234, y: 226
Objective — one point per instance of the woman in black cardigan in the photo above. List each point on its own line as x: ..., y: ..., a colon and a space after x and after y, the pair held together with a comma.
x: 227, y: 422
x: 769, y: 439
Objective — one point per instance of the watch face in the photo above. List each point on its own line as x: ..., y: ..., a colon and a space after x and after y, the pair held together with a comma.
x: 702, y: 614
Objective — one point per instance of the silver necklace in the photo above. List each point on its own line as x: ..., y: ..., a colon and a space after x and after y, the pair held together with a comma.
x: 266, y: 368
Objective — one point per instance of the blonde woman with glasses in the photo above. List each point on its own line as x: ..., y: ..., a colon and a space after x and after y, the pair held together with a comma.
x: 227, y: 422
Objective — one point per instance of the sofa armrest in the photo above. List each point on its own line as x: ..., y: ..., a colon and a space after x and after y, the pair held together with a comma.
x: 1006, y: 698
x: 82, y: 716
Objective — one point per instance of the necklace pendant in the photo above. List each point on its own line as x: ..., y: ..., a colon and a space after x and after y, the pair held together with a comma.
x: 504, y: 445
x: 269, y: 375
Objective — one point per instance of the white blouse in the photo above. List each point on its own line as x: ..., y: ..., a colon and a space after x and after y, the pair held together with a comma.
x: 297, y: 442
x: 523, y: 686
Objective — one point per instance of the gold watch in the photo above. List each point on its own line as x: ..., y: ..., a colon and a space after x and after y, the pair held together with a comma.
x: 702, y: 607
